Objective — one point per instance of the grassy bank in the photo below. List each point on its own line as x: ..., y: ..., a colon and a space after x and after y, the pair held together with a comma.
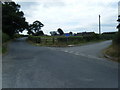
x: 5, y: 39
x: 113, y: 51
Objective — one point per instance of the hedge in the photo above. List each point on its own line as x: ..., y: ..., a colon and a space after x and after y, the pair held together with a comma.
x: 70, y: 39
x: 116, y: 39
x: 5, y: 37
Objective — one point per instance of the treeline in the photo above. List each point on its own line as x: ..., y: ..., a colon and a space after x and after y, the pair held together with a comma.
x: 13, y: 21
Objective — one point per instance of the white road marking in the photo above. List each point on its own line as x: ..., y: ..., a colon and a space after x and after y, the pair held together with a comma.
x: 81, y: 54
x: 76, y: 53
x: 66, y: 51
x: 71, y: 51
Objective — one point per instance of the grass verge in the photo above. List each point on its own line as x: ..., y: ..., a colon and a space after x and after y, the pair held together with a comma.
x: 112, y: 52
x: 4, y: 48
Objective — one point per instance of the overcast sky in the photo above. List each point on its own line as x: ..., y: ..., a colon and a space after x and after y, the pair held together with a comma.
x: 71, y: 15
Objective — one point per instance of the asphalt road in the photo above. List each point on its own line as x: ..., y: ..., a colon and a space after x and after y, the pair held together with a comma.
x: 27, y: 66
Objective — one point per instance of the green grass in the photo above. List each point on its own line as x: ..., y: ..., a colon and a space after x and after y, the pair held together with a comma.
x: 4, y: 49
x: 114, y: 52
x: 5, y: 40
x: 0, y: 50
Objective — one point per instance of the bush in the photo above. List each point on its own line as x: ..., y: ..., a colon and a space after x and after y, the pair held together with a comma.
x: 70, y: 39
x: 116, y: 39
x: 17, y: 36
x: 107, y: 36
x: 5, y: 37
x: 35, y: 39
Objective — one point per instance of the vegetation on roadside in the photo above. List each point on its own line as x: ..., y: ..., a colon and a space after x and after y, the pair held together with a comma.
x: 13, y: 22
x: 65, y: 41
x: 113, y: 52
x: 114, y: 49
x: 5, y: 39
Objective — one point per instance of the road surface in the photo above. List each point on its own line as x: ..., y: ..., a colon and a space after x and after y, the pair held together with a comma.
x: 27, y: 66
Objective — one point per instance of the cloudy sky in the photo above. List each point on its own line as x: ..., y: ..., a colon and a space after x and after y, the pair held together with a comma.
x: 71, y: 15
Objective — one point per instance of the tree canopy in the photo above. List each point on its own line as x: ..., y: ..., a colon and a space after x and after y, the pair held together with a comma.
x: 60, y: 31
x: 35, y: 28
x: 71, y: 33
x: 13, y: 20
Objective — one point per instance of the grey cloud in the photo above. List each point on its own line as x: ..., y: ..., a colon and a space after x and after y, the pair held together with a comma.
x: 6, y: 0
x: 27, y: 5
x: 109, y: 25
x: 53, y: 4
x: 71, y: 24
x: 48, y: 4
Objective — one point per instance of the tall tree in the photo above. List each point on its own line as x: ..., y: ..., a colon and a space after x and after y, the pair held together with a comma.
x: 35, y: 28
x: 13, y: 20
x: 71, y: 33
x: 60, y: 31
x: 30, y: 28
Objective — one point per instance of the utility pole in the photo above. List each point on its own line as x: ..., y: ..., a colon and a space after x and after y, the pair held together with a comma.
x: 99, y: 25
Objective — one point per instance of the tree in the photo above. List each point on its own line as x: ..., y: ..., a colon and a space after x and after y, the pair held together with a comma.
x: 118, y: 27
x: 117, y: 37
x: 60, y: 31
x: 39, y: 33
x: 71, y: 33
x: 35, y: 28
x: 53, y: 33
x: 30, y: 30
x: 13, y: 20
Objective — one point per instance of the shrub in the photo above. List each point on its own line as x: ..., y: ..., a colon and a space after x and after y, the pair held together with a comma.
x: 116, y: 39
x: 91, y: 37
x: 17, y: 36
x: 35, y: 39
x: 107, y: 36
x: 5, y: 37
x: 70, y: 39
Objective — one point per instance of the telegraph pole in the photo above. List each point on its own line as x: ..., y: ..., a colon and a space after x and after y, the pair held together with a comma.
x: 99, y: 25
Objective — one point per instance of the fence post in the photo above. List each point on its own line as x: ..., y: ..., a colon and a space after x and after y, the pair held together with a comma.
x: 67, y: 41
x: 45, y: 40
x: 53, y: 40
x: 39, y: 40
